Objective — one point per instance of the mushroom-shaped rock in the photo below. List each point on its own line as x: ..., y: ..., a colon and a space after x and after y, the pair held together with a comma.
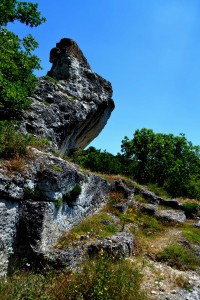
x: 72, y: 104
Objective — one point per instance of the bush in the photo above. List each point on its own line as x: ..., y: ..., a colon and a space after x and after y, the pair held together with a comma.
x: 176, y: 255
x: 73, y: 194
x: 58, y: 203
x: 193, y: 186
x: 159, y: 191
x: 191, y: 209
x: 12, y: 143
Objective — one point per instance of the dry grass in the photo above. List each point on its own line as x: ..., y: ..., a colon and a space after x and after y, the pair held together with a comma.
x: 187, y: 200
x: 163, y: 279
x: 15, y: 164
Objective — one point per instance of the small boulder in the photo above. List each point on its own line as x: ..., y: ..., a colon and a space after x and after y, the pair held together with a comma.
x: 171, y: 215
x: 117, y: 246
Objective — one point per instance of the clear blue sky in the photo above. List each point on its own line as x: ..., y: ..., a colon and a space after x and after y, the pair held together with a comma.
x: 148, y: 49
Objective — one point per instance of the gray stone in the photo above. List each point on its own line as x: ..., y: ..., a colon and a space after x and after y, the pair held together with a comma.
x: 9, y: 212
x: 197, y: 224
x: 171, y: 215
x: 120, y: 187
x: 150, y: 209
x: 71, y: 109
x: 122, y: 207
x: 30, y: 221
x: 117, y: 246
x: 152, y: 198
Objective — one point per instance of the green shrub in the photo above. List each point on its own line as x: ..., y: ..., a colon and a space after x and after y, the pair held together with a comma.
x: 193, y: 186
x: 73, y: 194
x: 191, y: 209
x: 34, y: 194
x: 159, y: 191
x: 177, y: 256
x: 12, y: 143
x: 58, y: 203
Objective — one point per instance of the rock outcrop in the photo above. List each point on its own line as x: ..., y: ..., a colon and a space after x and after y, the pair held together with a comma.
x: 39, y: 203
x: 72, y: 104
x: 45, y: 195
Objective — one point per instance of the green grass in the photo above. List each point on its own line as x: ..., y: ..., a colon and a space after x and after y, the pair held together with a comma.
x: 192, y: 234
x: 56, y: 168
x: 159, y: 191
x: 191, y: 209
x: 148, y: 225
x: 99, y: 278
x: 39, y: 142
x: 58, y: 203
x: 178, y: 256
x: 12, y: 143
x: 97, y: 226
x: 105, y: 279
x: 139, y: 198
x: 50, y: 79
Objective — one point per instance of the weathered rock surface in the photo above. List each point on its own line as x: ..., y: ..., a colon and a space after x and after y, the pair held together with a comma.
x: 154, y: 199
x: 168, y: 215
x: 35, y: 207
x: 171, y: 215
x: 72, y: 107
x: 118, y: 246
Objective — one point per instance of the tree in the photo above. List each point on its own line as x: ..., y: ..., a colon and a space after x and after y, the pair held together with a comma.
x: 167, y: 160
x: 17, y: 62
x: 98, y: 161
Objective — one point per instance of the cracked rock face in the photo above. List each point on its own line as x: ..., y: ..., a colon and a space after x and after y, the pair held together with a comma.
x: 72, y: 104
x: 35, y: 207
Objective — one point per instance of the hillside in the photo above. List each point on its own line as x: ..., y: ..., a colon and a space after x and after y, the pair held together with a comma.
x: 148, y: 237
x: 69, y: 233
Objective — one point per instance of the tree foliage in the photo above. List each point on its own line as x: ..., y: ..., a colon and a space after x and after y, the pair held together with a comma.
x: 168, y: 160
x: 98, y: 161
x: 17, y: 62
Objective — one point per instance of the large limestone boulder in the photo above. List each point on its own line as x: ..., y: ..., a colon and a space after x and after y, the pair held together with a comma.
x: 72, y: 104
x: 39, y: 202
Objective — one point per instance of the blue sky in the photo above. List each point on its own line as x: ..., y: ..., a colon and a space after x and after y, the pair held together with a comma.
x: 148, y: 50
